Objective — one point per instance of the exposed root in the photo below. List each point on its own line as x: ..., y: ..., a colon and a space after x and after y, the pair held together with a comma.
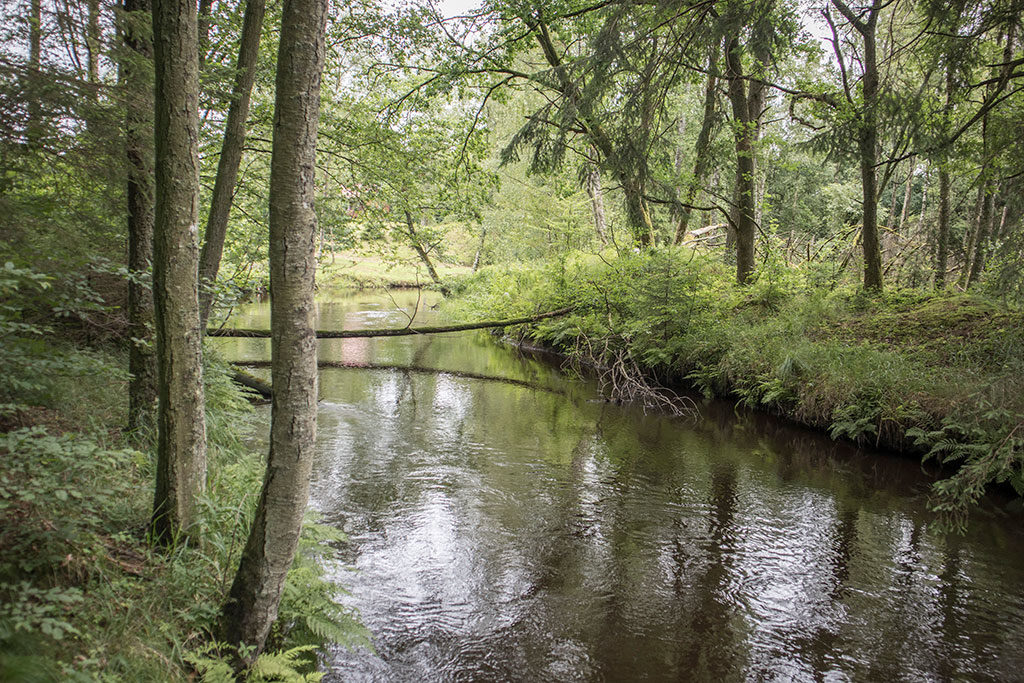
x: 622, y: 379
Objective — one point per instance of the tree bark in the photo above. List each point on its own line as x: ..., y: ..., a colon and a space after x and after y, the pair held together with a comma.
x: 867, y: 140
x: 34, y: 125
x: 230, y: 154
x: 744, y: 194
x: 414, y: 241
x: 253, y: 601
x: 138, y: 88
x: 181, y: 444
x: 701, y: 157
x: 593, y: 187
x: 93, y: 44
x: 942, y: 236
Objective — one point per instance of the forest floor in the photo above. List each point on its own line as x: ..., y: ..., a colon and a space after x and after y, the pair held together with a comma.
x: 84, y: 594
x: 933, y: 374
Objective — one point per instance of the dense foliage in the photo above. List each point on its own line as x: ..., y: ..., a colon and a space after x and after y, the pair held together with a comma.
x: 857, y: 167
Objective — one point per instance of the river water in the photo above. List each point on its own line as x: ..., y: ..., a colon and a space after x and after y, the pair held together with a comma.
x: 505, y: 524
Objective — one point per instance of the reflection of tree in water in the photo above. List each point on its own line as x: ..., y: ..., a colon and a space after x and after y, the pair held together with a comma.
x: 713, y: 647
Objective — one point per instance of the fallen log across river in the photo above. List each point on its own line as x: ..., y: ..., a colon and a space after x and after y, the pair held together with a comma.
x: 393, y: 332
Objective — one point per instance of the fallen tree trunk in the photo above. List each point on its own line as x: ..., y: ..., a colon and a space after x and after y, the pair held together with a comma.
x: 418, y: 369
x: 392, y: 332
x: 254, y: 383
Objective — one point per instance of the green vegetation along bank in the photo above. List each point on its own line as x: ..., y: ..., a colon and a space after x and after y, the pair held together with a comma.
x: 84, y: 594
x: 936, y: 374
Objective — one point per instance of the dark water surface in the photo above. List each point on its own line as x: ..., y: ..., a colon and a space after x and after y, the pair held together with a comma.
x: 524, y: 531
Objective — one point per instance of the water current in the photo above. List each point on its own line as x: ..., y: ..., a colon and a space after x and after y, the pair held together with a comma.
x: 506, y: 524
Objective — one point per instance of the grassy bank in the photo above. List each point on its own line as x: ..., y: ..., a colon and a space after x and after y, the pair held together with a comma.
x: 83, y: 594
x: 940, y: 375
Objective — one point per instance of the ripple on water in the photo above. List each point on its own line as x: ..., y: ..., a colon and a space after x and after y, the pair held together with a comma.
x: 503, y: 534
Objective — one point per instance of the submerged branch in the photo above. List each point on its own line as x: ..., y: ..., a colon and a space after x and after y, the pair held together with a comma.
x: 419, y: 369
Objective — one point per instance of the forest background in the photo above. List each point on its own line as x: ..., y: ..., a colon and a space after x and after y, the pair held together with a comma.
x: 814, y: 208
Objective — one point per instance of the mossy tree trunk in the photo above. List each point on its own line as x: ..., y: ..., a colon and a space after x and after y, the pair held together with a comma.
x: 253, y: 601
x: 181, y: 428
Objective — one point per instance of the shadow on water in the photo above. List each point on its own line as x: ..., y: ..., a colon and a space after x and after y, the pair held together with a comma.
x: 524, y: 530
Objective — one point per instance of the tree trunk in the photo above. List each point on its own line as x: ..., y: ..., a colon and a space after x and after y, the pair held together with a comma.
x: 593, y: 187
x: 744, y: 132
x: 942, y: 237
x: 981, y: 242
x: 93, y: 44
x: 924, y: 196
x: 203, y: 27
x: 414, y: 241
x: 242, y: 333
x: 867, y: 139
x: 181, y: 447
x: 701, y: 157
x: 480, y: 248
x: 34, y: 126
x: 632, y: 188
x: 253, y: 601
x: 230, y: 154
x: 138, y: 88
x: 906, y: 199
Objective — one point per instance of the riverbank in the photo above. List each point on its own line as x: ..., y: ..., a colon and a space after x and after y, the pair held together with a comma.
x: 937, y: 375
x: 352, y: 269
x: 84, y: 595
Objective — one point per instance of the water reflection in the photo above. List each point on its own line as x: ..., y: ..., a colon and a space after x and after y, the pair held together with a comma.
x: 503, y: 532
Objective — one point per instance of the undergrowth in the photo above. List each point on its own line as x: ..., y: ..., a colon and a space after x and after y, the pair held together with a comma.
x: 84, y: 596
x: 940, y: 374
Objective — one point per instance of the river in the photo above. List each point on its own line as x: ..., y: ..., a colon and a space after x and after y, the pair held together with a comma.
x: 505, y: 524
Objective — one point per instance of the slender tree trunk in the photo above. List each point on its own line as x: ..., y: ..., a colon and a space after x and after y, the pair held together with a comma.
x: 906, y: 199
x: 181, y: 448
x: 924, y: 196
x: 867, y: 139
x: 744, y: 195
x: 868, y: 158
x: 93, y: 43
x: 981, y: 243
x: 230, y: 154
x: 1004, y: 213
x: 971, y: 238
x: 253, y: 601
x: 942, y: 237
x: 138, y: 88
x: 701, y: 156
x: 203, y: 28
x: 632, y: 188
x: 417, y: 246
x: 593, y: 187
x: 480, y: 248
x: 34, y: 126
